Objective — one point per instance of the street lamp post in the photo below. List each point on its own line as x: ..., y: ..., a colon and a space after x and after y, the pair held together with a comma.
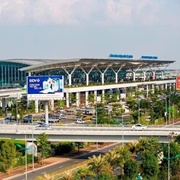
x: 169, y: 110
x: 96, y: 113
x: 122, y: 131
x: 169, y: 173
x: 32, y: 149
x: 25, y: 158
x: 139, y: 111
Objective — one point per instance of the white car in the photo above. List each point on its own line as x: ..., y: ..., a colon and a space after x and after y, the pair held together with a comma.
x: 139, y: 127
x: 42, y: 126
x: 80, y: 122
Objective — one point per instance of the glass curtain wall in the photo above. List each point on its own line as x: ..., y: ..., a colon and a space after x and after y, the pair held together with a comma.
x: 11, y: 76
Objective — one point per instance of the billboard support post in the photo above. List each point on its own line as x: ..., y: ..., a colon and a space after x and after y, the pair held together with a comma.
x: 45, y: 88
x: 46, y: 112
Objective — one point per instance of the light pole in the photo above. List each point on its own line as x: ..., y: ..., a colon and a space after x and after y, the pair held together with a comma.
x: 166, y: 111
x: 169, y: 173
x: 25, y: 158
x: 96, y: 113
x: 169, y: 109
x: 32, y: 149
x: 122, y: 131
x: 139, y: 110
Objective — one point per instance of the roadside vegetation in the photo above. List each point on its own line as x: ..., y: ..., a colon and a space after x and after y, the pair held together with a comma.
x: 146, y: 157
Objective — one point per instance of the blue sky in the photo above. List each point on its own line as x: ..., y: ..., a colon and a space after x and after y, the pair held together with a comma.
x: 90, y: 28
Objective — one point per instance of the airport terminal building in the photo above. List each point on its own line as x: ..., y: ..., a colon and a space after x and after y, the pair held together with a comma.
x: 90, y: 75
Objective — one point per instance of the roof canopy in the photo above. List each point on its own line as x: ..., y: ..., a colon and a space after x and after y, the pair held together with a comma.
x: 87, y: 63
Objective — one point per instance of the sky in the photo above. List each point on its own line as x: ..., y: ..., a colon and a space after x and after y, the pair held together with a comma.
x: 63, y: 29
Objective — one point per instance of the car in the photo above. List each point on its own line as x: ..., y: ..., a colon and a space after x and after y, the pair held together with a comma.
x: 139, y: 127
x: 9, y: 119
x: 77, y: 118
x: 62, y: 116
x: 42, y: 126
x: 80, y: 122
x: 93, y: 118
x: 27, y: 119
x: 85, y: 118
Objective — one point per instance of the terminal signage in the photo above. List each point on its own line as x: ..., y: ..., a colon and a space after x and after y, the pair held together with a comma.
x: 178, y: 83
x: 149, y: 57
x: 45, y: 87
x: 127, y: 56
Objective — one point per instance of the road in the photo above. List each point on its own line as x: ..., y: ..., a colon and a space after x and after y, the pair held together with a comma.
x: 62, y: 165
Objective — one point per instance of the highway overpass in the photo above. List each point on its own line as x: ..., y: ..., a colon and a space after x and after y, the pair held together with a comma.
x: 86, y: 134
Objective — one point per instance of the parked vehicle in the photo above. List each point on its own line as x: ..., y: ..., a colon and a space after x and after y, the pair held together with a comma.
x: 85, y: 118
x: 27, y: 119
x: 77, y: 118
x: 139, y: 127
x: 62, y: 116
x: 80, y: 122
x: 9, y: 119
x: 42, y: 126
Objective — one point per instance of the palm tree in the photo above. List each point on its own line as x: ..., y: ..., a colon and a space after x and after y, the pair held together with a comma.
x: 112, y: 157
x: 96, y: 163
x: 124, y: 155
x: 133, y: 147
x: 143, y: 143
x: 83, y: 172
x: 68, y: 176
x: 47, y: 177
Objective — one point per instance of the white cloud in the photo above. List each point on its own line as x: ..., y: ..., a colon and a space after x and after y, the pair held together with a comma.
x: 79, y: 11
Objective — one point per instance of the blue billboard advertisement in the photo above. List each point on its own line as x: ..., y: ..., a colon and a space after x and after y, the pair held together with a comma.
x: 45, y: 87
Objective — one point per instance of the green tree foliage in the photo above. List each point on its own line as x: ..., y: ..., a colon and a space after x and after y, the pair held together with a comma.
x: 117, y: 110
x: 124, y: 156
x: 43, y: 145
x: 63, y: 147
x: 131, y: 168
x: 96, y: 163
x: 112, y: 158
x: 91, y: 98
x: 149, y: 165
x: 149, y: 144
x: 8, y: 154
x: 84, y: 172
x: 177, y: 139
x: 173, y: 149
x: 102, y: 115
x: 133, y: 147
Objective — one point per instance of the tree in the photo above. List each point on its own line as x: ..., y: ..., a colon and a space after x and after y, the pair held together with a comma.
x: 133, y: 147
x: 47, y: 177
x: 131, y: 169
x: 149, y: 144
x: 43, y: 145
x: 8, y: 154
x: 112, y: 158
x: 96, y: 163
x: 149, y: 165
x: 177, y: 139
x: 173, y: 149
x: 84, y: 172
x: 124, y: 156
x: 117, y: 110
x: 68, y: 176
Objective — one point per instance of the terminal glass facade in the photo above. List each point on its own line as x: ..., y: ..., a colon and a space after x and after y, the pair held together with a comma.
x: 11, y: 76
x: 79, y: 77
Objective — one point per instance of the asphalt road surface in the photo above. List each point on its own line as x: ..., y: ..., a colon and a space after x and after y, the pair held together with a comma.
x: 62, y: 165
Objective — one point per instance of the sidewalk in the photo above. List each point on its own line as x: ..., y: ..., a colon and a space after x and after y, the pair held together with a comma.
x: 49, y: 161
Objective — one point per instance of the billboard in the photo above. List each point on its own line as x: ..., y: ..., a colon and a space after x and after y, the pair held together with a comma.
x: 178, y: 83
x: 45, y: 87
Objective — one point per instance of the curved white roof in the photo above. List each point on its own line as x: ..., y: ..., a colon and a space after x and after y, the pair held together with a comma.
x: 27, y: 61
